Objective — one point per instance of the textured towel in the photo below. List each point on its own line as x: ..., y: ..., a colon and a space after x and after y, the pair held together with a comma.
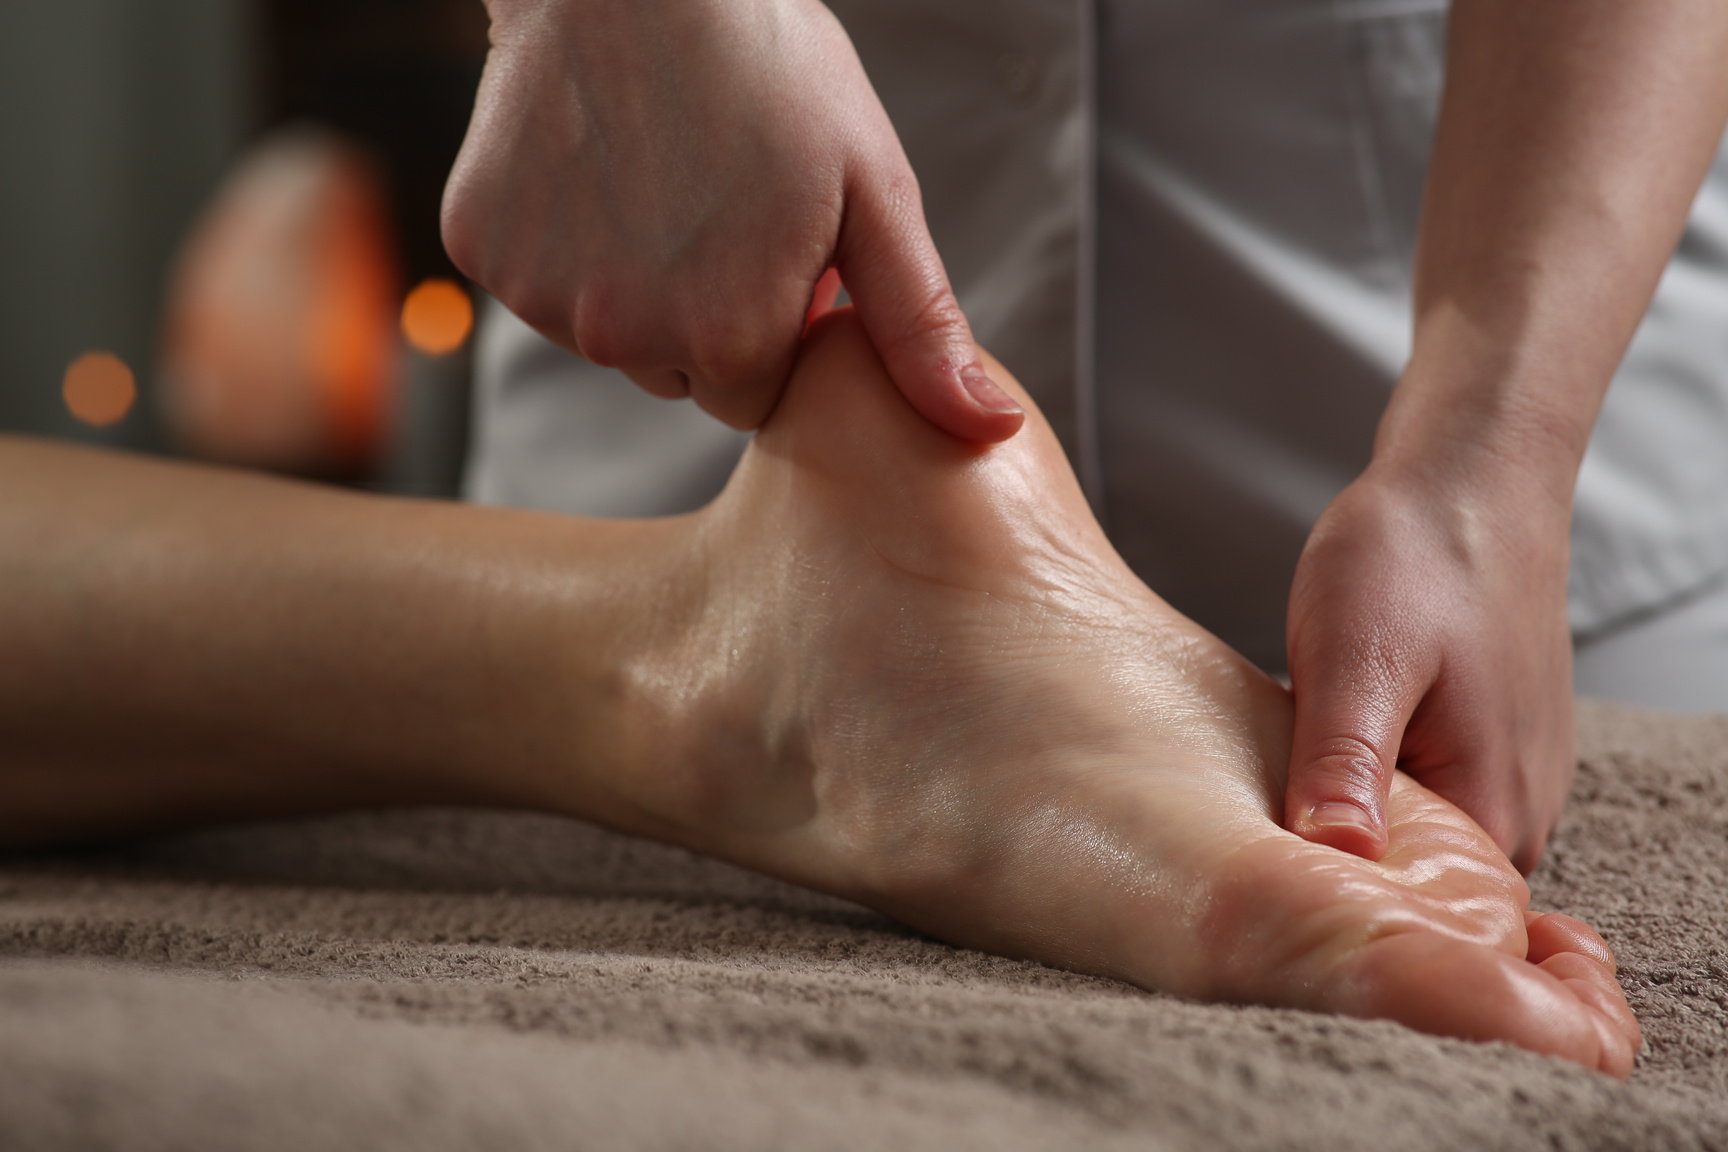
x: 467, y: 979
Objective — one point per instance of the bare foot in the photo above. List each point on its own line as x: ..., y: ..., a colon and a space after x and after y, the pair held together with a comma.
x: 924, y: 680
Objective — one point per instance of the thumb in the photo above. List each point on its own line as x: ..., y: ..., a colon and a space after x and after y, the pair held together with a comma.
x: 902, y: 296
x: 1350, y: 719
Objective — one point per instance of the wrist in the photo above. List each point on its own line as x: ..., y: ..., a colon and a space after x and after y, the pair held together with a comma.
x: 1485, y: 412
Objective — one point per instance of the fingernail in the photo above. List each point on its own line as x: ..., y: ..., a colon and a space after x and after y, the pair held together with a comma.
x: 1338, y: 814
x: 986, y: 393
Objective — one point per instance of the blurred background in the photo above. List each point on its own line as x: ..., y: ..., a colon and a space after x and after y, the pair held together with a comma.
x: 219, y: 231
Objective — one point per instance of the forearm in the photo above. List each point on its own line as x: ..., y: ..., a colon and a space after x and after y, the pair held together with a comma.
x: 185, y: 643
x: 1572, y: 140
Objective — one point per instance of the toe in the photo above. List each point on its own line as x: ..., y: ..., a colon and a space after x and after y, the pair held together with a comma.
x: 1552, y: 933
x: 1616, y: 1027
x: 1455, y: 988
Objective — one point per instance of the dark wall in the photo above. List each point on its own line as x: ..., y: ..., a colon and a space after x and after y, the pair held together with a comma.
x: 116, y: 119
x: 396, y: 75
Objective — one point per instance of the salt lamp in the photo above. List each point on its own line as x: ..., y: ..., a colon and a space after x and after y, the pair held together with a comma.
x: 279, y: 347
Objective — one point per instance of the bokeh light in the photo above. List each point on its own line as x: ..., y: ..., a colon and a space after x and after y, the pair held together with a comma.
x: 437, y: 317
x: 99, y: 389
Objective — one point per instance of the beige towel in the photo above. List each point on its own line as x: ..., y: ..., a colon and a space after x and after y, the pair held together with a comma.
x: 455, y: 979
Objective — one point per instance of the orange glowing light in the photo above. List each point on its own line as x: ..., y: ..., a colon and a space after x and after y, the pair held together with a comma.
x: 99, y: 389
x: 437, y: 317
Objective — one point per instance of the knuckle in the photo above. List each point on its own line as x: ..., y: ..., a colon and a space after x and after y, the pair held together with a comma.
x: 896, y: 186
x: 604, y: 327
x: 735, y: 362
x: 720, y: 353
x: 738, y: 353
x: 1348, y: 753
x: 1344, y: 766
x: 936, y: 316
x: 456, y: 229
x: 456, y: 206
x: 667, y: 384
x: 739, y: 401
x: 474, y: 232
x: 674, y: 344
x: 740, y: 410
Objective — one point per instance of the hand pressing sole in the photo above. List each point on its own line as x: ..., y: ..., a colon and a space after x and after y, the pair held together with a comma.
x: 922, y: 679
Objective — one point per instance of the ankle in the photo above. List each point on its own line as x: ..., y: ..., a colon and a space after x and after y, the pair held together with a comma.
x: 611, y: 698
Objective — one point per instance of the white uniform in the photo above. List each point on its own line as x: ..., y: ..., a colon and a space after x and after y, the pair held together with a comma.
x: 1186, y: 225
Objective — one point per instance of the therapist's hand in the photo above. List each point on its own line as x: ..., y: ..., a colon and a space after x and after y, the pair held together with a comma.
x: 659, y: 185
x: 1427, y: 623
x: 1428, y: 632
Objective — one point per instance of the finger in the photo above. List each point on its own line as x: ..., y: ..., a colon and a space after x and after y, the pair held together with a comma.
x: 666, y: 383
x: 902, y: 294
x: 1526, y: 851
x: 1351, y: 711
x: 738, y: 377
x: 605, y: 321
x: 734, y: 371
x: 822, y: 300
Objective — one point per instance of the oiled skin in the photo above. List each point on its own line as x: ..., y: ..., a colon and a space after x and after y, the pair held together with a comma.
x: 962, y: 708
x: 884, y: 663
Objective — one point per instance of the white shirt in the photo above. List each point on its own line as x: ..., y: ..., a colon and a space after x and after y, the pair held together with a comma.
x: 1186, y: 226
